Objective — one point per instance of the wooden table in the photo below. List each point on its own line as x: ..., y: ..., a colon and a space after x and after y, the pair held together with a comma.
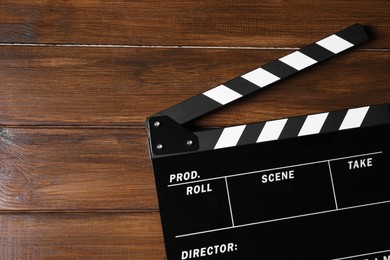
x: 79, y: 78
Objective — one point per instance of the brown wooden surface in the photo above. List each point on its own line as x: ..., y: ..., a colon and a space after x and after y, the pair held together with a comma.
x: 45, y: 169
x: 81, y: 236
x: 123, y: 86
x: 78, y: 79
x: 278, y: 23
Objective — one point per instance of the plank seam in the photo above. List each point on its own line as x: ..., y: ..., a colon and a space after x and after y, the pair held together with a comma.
x: 167, y: 46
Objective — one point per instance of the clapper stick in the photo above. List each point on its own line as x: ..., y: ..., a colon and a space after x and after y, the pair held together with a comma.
x: 167, y: 136
x: 279, y: 129
x: 266, y: 75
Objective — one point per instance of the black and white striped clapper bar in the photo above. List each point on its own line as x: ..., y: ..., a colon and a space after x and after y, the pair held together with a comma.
x: 308, y: 187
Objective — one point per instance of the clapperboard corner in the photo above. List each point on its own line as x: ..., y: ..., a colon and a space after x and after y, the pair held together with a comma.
x: 223, y: 191
x: 166, y: 133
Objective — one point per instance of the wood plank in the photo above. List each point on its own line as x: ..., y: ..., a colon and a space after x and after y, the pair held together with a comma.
x: 213, y: 23
x: 135, y: 236
x: 123, y: 86
x: 75, y: 170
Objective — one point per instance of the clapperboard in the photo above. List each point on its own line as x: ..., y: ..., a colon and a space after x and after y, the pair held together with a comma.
x: 307, y: 187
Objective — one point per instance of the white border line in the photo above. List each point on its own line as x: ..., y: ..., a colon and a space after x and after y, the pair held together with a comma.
x: 230, y: 205
x: 272, y: 169
x: 280, y: 219
x: 334, y: 191
x: 348, y: 257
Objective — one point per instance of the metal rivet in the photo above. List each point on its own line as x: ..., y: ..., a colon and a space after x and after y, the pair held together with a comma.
x: 159, y: 146
x: 157, y: 123
x: 190, y: 142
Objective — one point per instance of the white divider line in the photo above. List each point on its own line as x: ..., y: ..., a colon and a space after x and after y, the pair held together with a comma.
x: 281, y: 219
x: 334, y: 191
x: 349, y: 257
x: 273, y: 169
x: 230, y: 205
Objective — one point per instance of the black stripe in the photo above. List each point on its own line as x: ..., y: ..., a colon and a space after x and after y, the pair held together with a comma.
x: 279, y: 69
x: 251, y: 133
x: 316, y: 52
x: 200, y: 105
x: 242, y: 86
x: 208, y: 138
x: 355, y: 34
x: 376, y: 115
x: 191, y: 108
x: 292, y: 127
x: 333, y: 121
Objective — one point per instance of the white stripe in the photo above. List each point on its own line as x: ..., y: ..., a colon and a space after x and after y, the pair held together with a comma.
x: 222, y: 94
x: 230, y: 136
x: 298, y: 60
x: 313, y: 124
x: 260, y: 77
x: 335, y: 43
x: 354, y: 118
x: 271, y: 130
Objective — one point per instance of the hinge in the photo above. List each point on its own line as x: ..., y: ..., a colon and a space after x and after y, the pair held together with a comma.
x: 166, y: 137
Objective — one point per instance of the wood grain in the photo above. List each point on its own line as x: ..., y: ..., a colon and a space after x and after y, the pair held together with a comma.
x: 123, y: 86
x: 75, y: 170
x: 78, y: 79
x: 136, y: 236
x: 200, y: 23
